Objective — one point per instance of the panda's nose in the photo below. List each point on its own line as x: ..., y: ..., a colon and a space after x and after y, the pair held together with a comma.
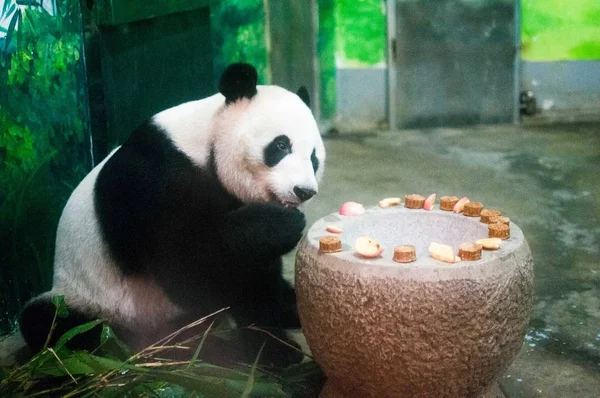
x: 304, y: 194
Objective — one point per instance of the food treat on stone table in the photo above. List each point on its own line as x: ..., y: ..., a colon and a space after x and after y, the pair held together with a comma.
x: 489, y: 243
x: 460, y: 205
x: 388, y: 202
x: 498, y: 230
x: 470, y: 251
x: 368, y: 247
x: 352, y: 209
x: 330, y: 244
x: 405, y: 254
x: 333, y: 229
x: 447, y: 202
x: 500, y: 220
x: 429, y: 202
x: 473, y: 209
x: 414, y: 201
x: 486, y: 214
x: 443, y: 253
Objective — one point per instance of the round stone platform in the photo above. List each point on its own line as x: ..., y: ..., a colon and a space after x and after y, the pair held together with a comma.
x: 423, y: 329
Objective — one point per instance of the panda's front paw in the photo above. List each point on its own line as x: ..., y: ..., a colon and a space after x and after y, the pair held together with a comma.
x: 283, y: 227
x: 265, y: 228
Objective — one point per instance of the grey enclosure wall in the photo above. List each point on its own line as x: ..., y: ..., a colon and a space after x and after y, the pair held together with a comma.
x: 454, y: 62
x: 292, y: 45
x: 572, y: 86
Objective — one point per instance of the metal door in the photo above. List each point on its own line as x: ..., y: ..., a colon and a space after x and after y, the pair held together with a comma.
x: 451, y: 62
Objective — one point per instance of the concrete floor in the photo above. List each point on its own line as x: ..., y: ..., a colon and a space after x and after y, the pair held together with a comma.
x: 547, y: 180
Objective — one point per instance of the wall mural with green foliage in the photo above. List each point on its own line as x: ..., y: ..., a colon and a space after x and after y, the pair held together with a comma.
x: 239, y: 35
x: 555, y: 30
x: 43, y: 140
x: 360, y: 33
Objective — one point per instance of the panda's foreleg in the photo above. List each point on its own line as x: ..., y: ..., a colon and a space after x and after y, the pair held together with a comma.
x: 262, y: 230
x: 289, y: 310
x: 36, y: 322
x: 260, y: 323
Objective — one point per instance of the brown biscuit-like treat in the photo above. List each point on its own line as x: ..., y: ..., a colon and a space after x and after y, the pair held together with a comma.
x: 486, y: 214
x: 405, y: 254
x: 498, y: 230
x: 470, y: 251
x: 473, y: 209
x: 414, y: 201
x: 447, y: 202
x: 330, y: 244
x: 500, y: 220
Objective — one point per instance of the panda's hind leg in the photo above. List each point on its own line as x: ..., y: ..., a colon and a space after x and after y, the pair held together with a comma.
x: 36, y: 322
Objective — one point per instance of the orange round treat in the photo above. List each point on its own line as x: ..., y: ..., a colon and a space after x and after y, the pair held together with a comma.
x: 414, y: 201
x: 498, y: 230
x: 500, y: 220
x: 486, y: 214
x: 447, y: 202
x: 405, y: 254
x: 470, y: 251
x: 473, y: 209
x: 330, y: 244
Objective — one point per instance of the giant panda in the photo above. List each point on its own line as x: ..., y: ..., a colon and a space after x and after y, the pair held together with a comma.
x: 190, y: 215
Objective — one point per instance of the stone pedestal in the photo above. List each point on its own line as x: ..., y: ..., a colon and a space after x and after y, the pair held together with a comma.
x: 423, y: 329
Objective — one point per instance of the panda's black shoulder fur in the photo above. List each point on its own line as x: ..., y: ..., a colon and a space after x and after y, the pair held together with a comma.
x: 164, y: 217
x: 149, y: 182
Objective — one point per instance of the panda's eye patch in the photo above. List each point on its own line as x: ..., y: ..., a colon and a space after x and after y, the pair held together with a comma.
x: 277, y: 150
x: 314, y: 160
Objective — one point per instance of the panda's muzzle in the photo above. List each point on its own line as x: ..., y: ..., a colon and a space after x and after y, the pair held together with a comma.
x: 304, y: 194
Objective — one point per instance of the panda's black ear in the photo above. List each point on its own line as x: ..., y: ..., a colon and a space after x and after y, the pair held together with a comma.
x: 303, y: 94
x: 238, y: 81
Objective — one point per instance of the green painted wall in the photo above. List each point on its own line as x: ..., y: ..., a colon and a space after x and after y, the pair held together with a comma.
x: 360, y: 28
x: 555, y: 30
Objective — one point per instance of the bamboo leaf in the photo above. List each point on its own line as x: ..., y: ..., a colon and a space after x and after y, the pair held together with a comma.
x: 5, y: 12
x: 76, y: 331
x: 11, y: 29
x: 61, y: 307
x: 111, y: 346
x: 32, y: 3
x: 74, y: 366
x: 212, y: 387
x: 197, y: 352
x: 259, y: 389
x: 250, y: 382
x: 207, y: 369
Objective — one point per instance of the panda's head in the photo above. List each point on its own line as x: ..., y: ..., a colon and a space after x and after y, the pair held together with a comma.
x: 267, y: 145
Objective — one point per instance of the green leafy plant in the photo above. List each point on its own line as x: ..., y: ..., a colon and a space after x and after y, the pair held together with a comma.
x: 113, y: 370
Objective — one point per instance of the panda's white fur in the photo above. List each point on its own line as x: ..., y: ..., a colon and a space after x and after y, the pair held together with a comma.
x: 240, y: 131
x: 88, y: 277
x: 236, y: 135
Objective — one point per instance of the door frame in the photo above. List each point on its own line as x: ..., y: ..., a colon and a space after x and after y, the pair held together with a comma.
x: 392, y: 77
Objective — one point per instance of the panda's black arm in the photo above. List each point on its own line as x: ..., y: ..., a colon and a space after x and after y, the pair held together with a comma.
x: 262, y: 230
